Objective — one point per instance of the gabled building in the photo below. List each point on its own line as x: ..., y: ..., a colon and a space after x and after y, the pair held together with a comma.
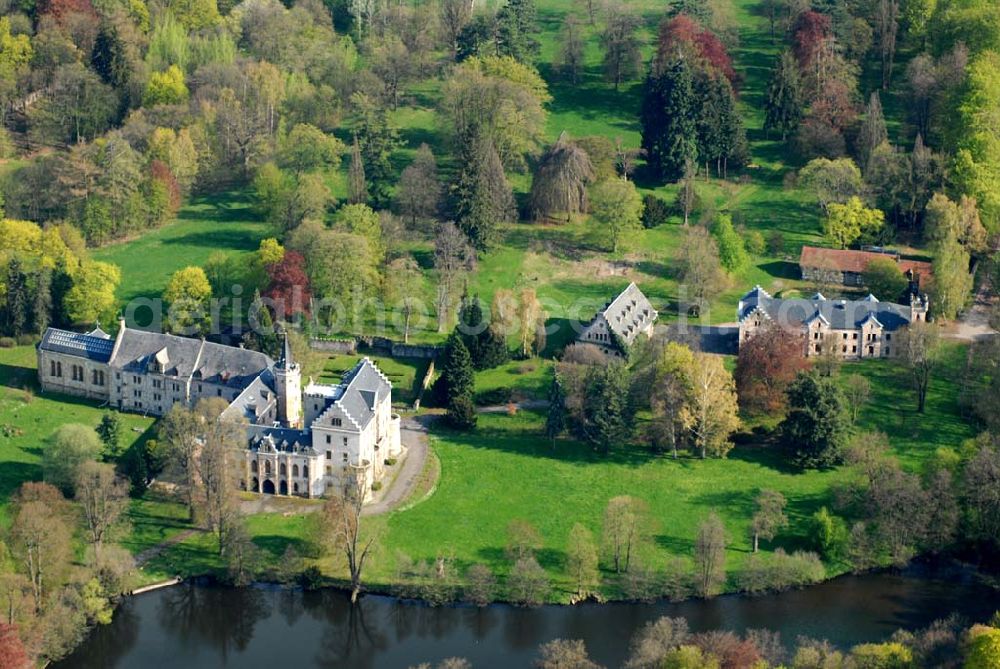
x: 851, y: 329
x: 300, y: 441
x: 622, y: 320
x: 847, y: 267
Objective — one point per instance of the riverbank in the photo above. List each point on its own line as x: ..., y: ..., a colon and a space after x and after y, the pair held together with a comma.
x: 209, y: 626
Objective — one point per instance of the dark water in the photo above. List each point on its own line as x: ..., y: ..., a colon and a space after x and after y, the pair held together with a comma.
x: 202, y: 626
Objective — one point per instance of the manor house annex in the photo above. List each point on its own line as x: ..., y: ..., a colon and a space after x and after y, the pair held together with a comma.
x: 300, y: 441
x: 849, y: 329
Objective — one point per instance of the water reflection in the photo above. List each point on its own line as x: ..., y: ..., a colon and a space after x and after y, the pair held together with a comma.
x: 202, y: 626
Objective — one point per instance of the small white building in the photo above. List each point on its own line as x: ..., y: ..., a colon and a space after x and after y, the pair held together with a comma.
x: 300, y: 441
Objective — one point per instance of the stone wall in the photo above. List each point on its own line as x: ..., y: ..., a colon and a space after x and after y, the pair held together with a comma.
x: 377, y: 346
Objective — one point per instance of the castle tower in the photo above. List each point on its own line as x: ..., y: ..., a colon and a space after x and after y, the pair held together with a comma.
x: 288, y: 382
x: 918, y: 307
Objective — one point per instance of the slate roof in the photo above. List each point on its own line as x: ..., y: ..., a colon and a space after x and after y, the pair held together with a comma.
x: 90, y: 346
x: 629, y: 313
x: 186, y: 357
x: 255, y: 400
x: 286, y: 439
x: 839, y: 314
x: 364, y: 387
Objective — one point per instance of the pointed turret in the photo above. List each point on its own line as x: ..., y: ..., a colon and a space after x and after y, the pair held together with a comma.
x: 288, y: 381
x: 285, y: 361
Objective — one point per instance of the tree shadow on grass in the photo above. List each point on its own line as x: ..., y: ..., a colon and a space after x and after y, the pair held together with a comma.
x: 15, y: 473
x: 219, y: 239
x: 770, y: 456
x: 782, y: 269
x: 537, y: 445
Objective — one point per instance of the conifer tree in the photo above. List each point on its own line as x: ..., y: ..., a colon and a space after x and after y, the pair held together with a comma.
x: 783, y: 106
x: 15, y: 310
x: 484, y: 199
x: 668, y: 118
x: 555, y: 421
x: 459, y: 382
x: 516, y: 26
x: 41, y: 308
x: 873, y: 131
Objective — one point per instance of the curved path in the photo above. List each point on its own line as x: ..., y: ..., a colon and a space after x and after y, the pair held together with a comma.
x: 413, y: 434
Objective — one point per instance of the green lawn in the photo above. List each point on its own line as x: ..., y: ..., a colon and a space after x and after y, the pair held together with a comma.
x: 27, y: 418
x: 405, y: 374
x: 225, y: 222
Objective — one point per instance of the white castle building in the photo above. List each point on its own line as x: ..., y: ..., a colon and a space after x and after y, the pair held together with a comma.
x: 301, y: 441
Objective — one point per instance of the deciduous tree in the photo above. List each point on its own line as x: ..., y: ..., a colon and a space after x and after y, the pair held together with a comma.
x: 617, y: 208
x: 710, y: 556
x: 103, y: 497
x: 921, y: 351
x: 712, y: 415
x: 582, y: 560
x: 769, y: 516
x: 627, y: 525
x: 768, y: 361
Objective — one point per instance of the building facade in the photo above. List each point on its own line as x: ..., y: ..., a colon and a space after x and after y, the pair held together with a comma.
x: 850, y: 329
x: 622, y: 320
x: 847, y: 267
x: 300, y: 440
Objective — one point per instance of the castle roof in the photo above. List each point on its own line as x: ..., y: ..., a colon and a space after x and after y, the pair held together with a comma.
x: 629, y: 313
x: 90, y: 346
x: 183, y: 357
x: 362, y: 389
x: 838, y: 314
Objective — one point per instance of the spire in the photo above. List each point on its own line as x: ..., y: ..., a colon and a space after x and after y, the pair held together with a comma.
x: 285, y: 361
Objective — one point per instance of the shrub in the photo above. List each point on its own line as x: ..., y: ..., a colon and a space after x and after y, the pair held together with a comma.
x: 755, y: 243
x: 376, y: 486
x: 656, y: 211
x: 389, y: 462
x: 311, y: 578
x: 26, y: 340
x: 7, y: 342
x: 780, y: 571
x: 461, y: 414
x: 493, y: 397
x: 775, y: 243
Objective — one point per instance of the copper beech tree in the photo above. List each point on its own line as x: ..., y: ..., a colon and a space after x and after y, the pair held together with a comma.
x: 768, y: 362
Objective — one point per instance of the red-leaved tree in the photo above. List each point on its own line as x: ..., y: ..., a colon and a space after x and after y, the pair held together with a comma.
x: 683, y: 36
x: 768, y: 361
x: 12, y: 652
x: 160, y: 171
x: 810, y: 32
x: 289, y: 285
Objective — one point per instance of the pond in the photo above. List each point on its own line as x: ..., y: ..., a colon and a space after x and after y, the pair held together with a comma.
x: 197, y: 626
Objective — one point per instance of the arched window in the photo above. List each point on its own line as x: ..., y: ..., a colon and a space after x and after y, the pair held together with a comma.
x: 295, y: 472
x: 253, y: 466
x: 295, y: 487
x: 284, y: 469
x: 305, y: 471
x: 267, y: 467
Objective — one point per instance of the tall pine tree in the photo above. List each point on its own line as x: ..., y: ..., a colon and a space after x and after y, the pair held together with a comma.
x: 784, y: 105
x: 516, y: 27
x: 15, y: 309
x: 41, y: 307
x: 669, y: 120
x: 459, y: 381
x: 483, y: 197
